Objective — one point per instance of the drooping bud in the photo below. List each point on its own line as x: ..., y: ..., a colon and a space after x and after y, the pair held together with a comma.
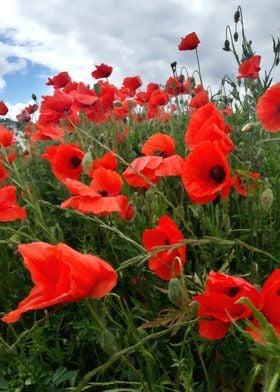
x: 248, y: 127
x: 226, y: 46
x: 174, y: 67
x: 235, y: 36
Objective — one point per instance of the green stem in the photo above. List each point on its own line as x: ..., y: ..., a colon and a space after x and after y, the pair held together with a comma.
x: 126, y: 351
x: 198, y: 66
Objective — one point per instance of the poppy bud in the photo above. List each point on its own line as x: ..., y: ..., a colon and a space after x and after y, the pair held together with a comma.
x: 248, y: 127
x: 97, y: 89
x: 108, y: 342
x: 174, y: 67
x: 267, y: 199
x: 86, y: 162
x: 176, y: 293
x: 236, y: 16
x: 34, y: 97
x: 235, y: 36
x: 226, y: 46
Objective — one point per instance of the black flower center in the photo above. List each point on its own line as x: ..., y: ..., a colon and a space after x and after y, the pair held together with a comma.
x: 232, y: 291
x: 160, y: 153
x: 75, y: 162
x: 217, y: 173
x: 103, y: 193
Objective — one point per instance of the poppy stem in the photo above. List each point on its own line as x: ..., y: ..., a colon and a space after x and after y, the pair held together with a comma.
x: 198, y: 66
x: 94, y: 315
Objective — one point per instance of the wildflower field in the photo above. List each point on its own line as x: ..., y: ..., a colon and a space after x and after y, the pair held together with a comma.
x: 140, y: 246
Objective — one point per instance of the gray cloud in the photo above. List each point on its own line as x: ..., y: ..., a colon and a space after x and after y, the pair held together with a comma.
x: 134, y: 37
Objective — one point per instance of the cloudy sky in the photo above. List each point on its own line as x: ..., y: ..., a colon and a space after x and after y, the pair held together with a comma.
x: 38, y: 39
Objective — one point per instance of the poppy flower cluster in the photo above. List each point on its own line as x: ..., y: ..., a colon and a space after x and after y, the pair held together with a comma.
x: 167, y: 263
x: 206, y: 172
x: 61, y: 274
x: 219, y: 305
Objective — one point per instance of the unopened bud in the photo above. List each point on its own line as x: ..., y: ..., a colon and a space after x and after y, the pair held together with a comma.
x: 86, y: 162
x: 267, y: 199
x: 34, y: 97
x: 226, y: 45
x: 97, y: 89
x: 176, y: 293
x: 235, y: 36
x: 108, y: 342
x: 237, y: 16
x: 248, y: 127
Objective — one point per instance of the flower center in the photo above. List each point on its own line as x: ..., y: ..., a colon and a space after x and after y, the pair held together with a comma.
x: 217, y: 173
x: 103, y: 193
x: 75, y: 162
x: 160, y: 153
x: 232, y: 291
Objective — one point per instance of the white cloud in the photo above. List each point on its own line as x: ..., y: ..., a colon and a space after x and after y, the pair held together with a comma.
x: 135, y: 37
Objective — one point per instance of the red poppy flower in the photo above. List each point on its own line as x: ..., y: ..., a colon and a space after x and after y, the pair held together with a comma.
x: 207, y: 123
x: 47, y: 132
x: 189, y: 42
x: 3, y: 172
x: 60, y: 275
x: 166, y: 264
x: 9, y: 210
x: 206, y: 173
x: 218, y: 304
x: 60, y: 80
x: 102, y: 71
x: 107, y: 161
x: 268, y: 304
x: 163, y: 145
x: 199, y: 99
x: 246, y: 182
x: 6, y: 136
x: 159, y: 144
x: 250, y: 68
x: 101, y: 197
x: 175, y: 86
x: 3, y: 109
x: 23, y: 116
x: 66, y: 161
x: 147, y: 167
x: 132, y: 83
x: 268, y: 109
